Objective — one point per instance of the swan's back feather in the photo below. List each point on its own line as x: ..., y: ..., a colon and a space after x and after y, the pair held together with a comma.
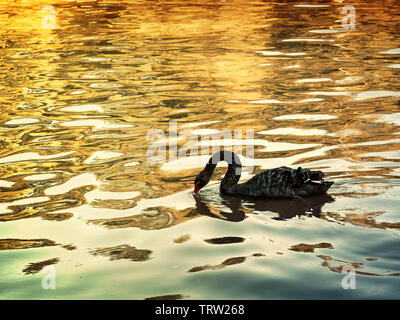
x: 281, y: 182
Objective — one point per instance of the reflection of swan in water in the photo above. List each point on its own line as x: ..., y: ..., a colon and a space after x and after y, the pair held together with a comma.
x: 289, y: 208
x: 234, y: 204
x: 286, y: 208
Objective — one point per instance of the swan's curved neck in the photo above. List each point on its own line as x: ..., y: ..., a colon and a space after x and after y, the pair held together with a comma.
x: 232, y: 176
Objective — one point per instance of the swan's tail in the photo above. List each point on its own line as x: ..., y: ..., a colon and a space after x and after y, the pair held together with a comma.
x: 303, y: 175
x: 310, y: 183
x: 312, y: 188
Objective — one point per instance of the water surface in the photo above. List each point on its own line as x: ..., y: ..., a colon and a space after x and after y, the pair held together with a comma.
x: 82, y: 85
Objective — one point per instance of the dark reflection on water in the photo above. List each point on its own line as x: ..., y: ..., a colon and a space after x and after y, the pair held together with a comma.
x: 234, y: 204
x: 166, y: 297
x: 286, y: 208
x: 77, y: 191
x: 227, y: 262
x: 225, y: 240
x: 291, y: 208
x: 123, y: 252
x: 36, y: 267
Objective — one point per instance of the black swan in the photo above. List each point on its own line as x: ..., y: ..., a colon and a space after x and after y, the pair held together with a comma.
x: 282, y: 182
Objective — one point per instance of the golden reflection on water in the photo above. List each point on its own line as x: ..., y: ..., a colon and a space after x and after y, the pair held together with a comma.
x: 80, y: 94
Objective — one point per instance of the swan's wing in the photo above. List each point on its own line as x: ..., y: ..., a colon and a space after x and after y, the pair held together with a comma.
x: 283, y: 182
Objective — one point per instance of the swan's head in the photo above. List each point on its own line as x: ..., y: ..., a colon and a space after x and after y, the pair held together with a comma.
x: 199, y: 182
x: 203, y: 178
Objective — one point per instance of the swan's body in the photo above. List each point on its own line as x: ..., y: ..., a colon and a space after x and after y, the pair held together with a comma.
x: 282, y: 182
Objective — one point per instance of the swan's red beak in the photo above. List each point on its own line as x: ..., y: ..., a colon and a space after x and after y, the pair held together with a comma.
x: 196, y: 188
